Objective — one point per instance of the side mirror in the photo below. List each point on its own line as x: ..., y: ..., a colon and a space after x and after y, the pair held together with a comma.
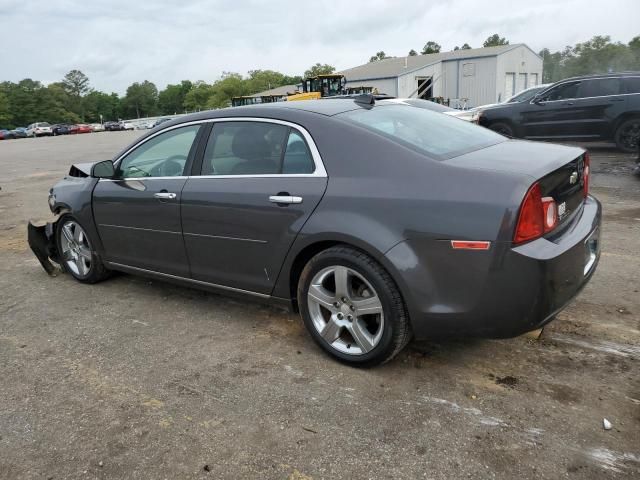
x: 103, y: 169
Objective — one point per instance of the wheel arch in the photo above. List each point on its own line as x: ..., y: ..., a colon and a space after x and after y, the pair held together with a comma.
x: 623, y: 117
x: 288, y: 280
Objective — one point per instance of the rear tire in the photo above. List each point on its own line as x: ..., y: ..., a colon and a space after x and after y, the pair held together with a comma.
x: 627, y: 135
x: 76, y: 254
x: 352, y: 307
x: 502, y: 128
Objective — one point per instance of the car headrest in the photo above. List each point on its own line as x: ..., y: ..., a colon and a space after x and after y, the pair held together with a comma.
x: 249, y: 143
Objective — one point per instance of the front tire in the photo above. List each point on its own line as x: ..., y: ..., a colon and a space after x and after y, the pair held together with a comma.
x: 76, y: 254
x: 627, y: 135
x: 352, y: 307
x: 502, y: 128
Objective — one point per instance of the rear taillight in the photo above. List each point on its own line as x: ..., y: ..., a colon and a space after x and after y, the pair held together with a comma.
x: 538, y: 216
x: 586, y: 174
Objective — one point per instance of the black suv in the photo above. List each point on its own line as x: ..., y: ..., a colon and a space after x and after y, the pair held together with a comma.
x: 591, y: 108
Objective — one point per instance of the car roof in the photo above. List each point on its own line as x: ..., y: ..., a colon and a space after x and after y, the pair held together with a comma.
x: 602, y: 75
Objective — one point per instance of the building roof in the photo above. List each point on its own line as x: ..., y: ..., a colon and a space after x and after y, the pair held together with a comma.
x: 396, y: 66
x: 283, y: 90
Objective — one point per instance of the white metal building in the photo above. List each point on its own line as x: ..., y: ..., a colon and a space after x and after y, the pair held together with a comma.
x: 476, y: 76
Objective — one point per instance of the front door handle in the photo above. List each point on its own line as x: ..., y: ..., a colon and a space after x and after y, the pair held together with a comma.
x: 284, y: 199
x: 165, y: 196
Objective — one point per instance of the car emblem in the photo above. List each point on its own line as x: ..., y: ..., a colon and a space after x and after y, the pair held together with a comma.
x: 573, y: 178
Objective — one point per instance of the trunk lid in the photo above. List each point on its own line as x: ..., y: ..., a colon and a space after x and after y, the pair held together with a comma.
x: 559, y: 169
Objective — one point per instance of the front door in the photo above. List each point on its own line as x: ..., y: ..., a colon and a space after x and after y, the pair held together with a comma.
x: 258, y: 184
x: 138, y: 212
x: 553, y: 115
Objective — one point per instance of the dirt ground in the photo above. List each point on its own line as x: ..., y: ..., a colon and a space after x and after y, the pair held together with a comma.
x: 138, y: 379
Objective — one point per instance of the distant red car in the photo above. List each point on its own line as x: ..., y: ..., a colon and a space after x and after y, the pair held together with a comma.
x: 83, y: 128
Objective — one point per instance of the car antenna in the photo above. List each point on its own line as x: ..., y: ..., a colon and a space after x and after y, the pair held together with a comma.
x: 365, y: 99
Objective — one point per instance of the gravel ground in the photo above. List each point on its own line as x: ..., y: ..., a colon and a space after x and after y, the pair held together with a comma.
x: 137, y: 379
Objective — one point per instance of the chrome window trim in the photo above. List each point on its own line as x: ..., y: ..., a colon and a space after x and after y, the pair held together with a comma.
x: 587, y: 98
x: 319, y: 171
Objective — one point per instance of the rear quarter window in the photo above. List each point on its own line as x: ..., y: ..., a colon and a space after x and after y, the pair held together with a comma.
x: 435, y: 134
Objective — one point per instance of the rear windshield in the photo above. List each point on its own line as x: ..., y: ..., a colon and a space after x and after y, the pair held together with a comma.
x: 435, y: 134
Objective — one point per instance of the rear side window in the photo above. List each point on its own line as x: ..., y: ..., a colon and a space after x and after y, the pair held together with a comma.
x: 600, y: 87
x: 297, y: 157
x: 436, y: 134
x: 255, y: 148
x: 632, y: 84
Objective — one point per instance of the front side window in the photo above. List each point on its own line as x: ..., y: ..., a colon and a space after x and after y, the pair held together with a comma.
x: 562, y: 92
x: 437, y: 135
x: 256, y: 148
x: 165, y: 155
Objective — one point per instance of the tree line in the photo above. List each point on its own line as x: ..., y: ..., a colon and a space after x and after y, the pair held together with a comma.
x: 72, y: 100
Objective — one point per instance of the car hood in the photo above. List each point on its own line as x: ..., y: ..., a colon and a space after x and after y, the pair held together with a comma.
x: 81, y: 169
x: 534, y: 159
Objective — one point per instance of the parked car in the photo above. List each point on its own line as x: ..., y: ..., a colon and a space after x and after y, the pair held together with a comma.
x: 40, y: 129
x: 160, y: 121
x: 113, y: 126
x: 590, y: 108
x: 19, y: 132
x: 97, y: 127
x: 6, y: 134
x: 72, y: 129
x: 60, y: 129
x: 128, y: 126
x: 471, y: 114
x: 377, y: 221
x: 83, y: 128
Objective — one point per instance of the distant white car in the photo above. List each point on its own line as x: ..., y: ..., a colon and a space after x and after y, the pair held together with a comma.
x: 40, y: 129
x: 472, y: 114
x: 128, y: 126
x: 97, y: 127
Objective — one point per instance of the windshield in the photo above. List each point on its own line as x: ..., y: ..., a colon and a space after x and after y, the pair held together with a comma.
x: 437, y: 135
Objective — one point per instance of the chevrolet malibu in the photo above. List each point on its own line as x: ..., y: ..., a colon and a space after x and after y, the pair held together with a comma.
x: 377, y: 222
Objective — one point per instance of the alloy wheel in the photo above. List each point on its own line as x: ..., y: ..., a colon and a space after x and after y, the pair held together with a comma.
x: 630, y: 135
x: 345, y: 310
x: 76, y: 249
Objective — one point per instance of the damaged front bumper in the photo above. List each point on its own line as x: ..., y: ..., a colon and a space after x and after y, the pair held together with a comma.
x: 42, y: 242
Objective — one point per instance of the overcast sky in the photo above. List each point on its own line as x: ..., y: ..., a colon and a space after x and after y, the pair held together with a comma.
x: 118, y: 42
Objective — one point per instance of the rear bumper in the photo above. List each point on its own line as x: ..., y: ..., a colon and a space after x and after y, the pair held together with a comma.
x: 500, y: 293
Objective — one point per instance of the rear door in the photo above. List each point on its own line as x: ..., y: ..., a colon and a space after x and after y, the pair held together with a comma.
x: 598, y: 102
x: 138, y: 212
x: 258, y: 183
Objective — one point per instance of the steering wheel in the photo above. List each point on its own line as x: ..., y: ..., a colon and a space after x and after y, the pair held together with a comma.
x: 172, y: 167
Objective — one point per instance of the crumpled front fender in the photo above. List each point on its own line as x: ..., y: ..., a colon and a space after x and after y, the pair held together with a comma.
x: 42, y: 242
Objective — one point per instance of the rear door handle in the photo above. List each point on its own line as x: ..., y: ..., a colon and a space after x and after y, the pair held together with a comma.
x: 284, y: 199
x: 165, y: 196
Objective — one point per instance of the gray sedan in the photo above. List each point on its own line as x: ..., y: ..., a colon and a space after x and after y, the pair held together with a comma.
x: 377, y: 222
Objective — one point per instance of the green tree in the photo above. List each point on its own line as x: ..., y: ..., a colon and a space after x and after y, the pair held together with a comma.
x: 198, y: 96
x: 100, y: 103
x: 5, y: 111
x: 76, y: 83
x: 319, y: 69
x: 230, y: 85
x: 141, y: 100
x: 53, y: 102
x: 466, y: 46
x: 378, y: 56
x: 412, y: 53
x: 171, y: 99
x: 495, y: 40
x: 260, y: 80
x: 430, y: 47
